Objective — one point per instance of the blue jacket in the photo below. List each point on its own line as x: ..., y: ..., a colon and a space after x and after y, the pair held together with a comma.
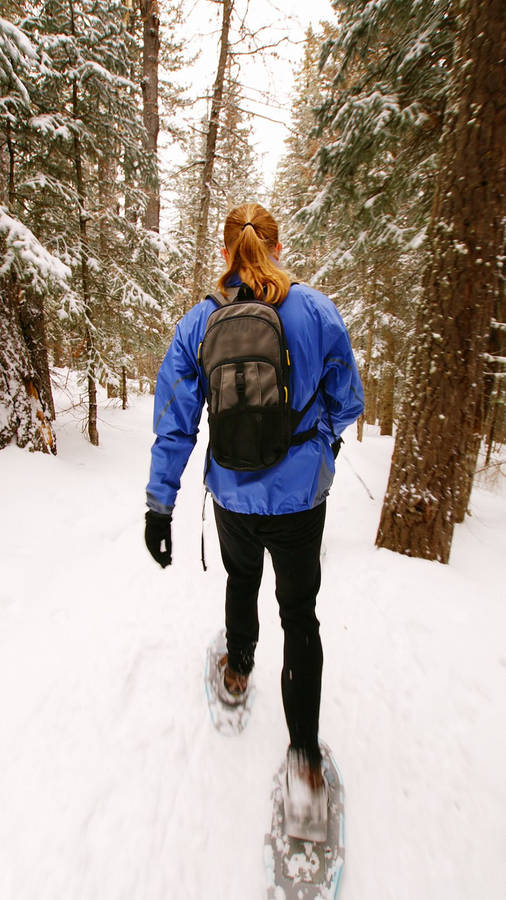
x: 320, y: 354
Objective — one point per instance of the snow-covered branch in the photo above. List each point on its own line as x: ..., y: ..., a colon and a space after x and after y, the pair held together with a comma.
x: 27, y: 255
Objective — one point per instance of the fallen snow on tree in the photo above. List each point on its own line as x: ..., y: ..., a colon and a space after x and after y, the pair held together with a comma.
x: 27, y: 255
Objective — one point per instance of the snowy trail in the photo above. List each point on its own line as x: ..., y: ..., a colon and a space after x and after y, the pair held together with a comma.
x: 113, y: 783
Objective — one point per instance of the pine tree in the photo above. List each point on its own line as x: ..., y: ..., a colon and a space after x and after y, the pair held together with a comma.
x: 381, y: 122
x: 26, y: 265
x: 294, y: 185
x: 91, y: 210
x: 438, y: 436
x: 336, y: 252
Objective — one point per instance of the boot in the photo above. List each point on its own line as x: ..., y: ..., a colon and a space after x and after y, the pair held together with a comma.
x: 232, y: 687
x: 305, y: 794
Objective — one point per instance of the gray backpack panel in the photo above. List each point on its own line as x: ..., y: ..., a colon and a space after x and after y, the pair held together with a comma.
x: 245, y: 359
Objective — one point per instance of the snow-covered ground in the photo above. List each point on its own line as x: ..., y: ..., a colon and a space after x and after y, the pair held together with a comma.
x: 113, y: 783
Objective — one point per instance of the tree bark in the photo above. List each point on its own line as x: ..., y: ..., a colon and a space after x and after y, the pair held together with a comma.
x: 150, y: 59
x: 58, y: 352
x: 32, y: 320
x: 24, y: 416
x: 461, y: 285
x: 463, y: 495
x: 495, y: 384
x: 25, y: 388
x: 210, y: 153
x: 85, y: 275
x: 367, y: 380
x: 124, y: 388
x: 12, y: 156
x: 127, y: 162
x: 386, y: 417
x: 371, y: 409
x: 29, y: 306
x: 85, y: 282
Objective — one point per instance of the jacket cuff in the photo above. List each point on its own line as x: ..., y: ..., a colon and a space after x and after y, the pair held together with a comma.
x: 158, y: 507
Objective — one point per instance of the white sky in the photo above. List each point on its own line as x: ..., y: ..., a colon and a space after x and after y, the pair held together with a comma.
x: 272, y: 75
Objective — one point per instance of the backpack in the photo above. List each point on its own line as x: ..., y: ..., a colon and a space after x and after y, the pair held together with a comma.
x: 246, y: 360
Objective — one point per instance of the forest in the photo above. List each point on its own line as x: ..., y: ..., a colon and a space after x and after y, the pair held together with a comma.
x: 389, y: 193
x: 375, y: 132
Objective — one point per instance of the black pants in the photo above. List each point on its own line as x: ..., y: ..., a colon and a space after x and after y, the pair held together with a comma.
x: 294, y: 542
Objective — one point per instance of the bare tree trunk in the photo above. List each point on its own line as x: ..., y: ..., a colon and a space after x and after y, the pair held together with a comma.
x: 124, y: 390
x: 460, y: 288
x: 495, y: 388
x: 366, y: 374
x: 150, y: 58
x: 386, y: 416
x: 207, y: 174
x: 388, y: 368
x: 127, y: 163
x: 107, y: 200
x: 85, y: 282
x: 491, y: 435
x: 371, y: 410
x: 85, y: 277
x: 58, y: 353
x: 463, y: 496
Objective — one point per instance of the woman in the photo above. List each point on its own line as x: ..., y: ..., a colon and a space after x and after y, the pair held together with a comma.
x: 281, y: 508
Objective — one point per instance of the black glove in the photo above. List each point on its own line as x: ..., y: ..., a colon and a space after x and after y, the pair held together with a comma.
x: 336, y: 446
x: 158, y: 530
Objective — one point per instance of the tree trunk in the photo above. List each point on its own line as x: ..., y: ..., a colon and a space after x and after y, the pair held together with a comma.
x: 57, y: 347
x: 127, y: 162
x: 26, y: 399
x: 461, y: 284
x: 124, y: 390
x: 31, y: 316
x: 107, y: 202
x: 371, y: 409
x: 463, y: 495
x: 207, y: 174
x: 30, y: 306
x: 386, y: 416
x: 389, y: 363
x: 24, y: 416
x: 495, y: 383
x: 366, y: 374
x: 85, y: 276
x: 11, y: 190
x: 150, y: 56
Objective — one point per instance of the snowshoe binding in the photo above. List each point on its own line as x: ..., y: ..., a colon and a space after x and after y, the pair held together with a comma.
x: 229, y: 695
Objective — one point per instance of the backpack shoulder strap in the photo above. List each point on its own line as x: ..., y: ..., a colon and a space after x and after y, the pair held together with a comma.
x: 220, y: 300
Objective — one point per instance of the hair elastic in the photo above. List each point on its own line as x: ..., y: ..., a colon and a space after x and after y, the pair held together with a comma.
x: 248, y: 223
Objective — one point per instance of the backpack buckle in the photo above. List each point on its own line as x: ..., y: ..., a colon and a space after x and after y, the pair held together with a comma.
x: 240, y: 382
